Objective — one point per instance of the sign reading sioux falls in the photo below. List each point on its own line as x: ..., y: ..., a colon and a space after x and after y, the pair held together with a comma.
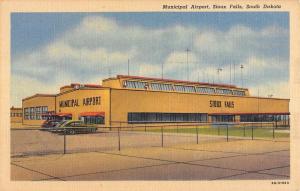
x: 85, y: 102
x: 214, y: 103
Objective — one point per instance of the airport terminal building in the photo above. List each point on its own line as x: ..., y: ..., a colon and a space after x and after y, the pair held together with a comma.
x: 135, y: 100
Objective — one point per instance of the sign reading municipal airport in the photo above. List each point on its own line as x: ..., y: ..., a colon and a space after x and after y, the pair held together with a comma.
x: 85, y: 102
x: 214, y: 103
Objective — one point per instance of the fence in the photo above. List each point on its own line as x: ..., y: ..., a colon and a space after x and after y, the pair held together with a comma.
x: 32, y: 141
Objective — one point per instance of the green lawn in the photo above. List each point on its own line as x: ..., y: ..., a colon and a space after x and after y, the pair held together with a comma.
x: 257, y: 132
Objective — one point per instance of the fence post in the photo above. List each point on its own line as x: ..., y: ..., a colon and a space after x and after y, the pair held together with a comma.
x: 227, y: 131
x: 252, y: 132
x: 65, y: 151
x: 177, y: 127
x: 244, y: 131
x: 218, y: 130
x: 119, y: 140
x: 162, y: 137
x: 197, y: 134
x: 273, y: 133
x: 145, y: 127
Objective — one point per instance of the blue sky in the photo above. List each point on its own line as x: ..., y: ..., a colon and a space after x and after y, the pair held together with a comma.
x: 50, y: 50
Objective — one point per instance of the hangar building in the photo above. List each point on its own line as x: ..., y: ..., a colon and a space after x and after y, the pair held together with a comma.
x: 134, y: 99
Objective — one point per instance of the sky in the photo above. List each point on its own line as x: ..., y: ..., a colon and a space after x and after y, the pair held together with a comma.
x: 50, y: 50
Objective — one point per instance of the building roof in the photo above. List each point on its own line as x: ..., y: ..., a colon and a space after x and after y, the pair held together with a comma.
x: 40, y: 95
x: 78, y: 84
x: 16, y: 108
x: 176, y: 81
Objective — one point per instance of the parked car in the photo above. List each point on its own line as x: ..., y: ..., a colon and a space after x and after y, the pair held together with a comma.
x: 50, y: 123
x: 72, y: 127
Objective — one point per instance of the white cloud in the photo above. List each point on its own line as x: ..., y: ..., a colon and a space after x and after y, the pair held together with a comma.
x: 22, y: 87
x: 149, y: 69
x: 279, y: 90
x: 98, y: 46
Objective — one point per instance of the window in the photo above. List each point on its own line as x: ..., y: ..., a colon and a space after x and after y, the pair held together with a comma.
x: 135, y: 84
x: 205, y: 90
x: 179, y: 88
x: 155, y: 86
x: 262, y: 118
x: 140, y: 85
x: 32, y: 113
x: 130, y: 84
x: 38, y: 113
x: 227, y: 91
x: 93, y: 119
x: 222, y: 118
x: 238, y: 93
x: 189, y: 89
x: 166, y: 117
x: 26, y: 113
x: 167, y: 87
x: 224, y: 91
x: 161, y: 87
x: 44, y: 109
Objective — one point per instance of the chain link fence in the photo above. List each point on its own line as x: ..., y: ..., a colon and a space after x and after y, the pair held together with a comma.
x: 37, y: 141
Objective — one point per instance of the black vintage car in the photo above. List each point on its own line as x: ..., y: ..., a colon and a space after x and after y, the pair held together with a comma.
x: 73, y: 127
x: 50, y: 123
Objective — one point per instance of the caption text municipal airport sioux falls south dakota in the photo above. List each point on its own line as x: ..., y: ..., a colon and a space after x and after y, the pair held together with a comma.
x: 219, y: 6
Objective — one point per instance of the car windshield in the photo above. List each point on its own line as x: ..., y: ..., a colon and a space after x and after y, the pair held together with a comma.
x: 60, y: 123
x: 72, y: 124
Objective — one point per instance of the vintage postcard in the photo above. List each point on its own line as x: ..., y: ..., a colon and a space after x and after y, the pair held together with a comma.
x: 140, y: 95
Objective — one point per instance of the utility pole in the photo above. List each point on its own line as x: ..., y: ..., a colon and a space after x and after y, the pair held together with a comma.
x: 128, y: 63
x: 187, y: 62
x: 233, y: 73
x: 242, y: 66
x: 162, y: 70
x: 230, y: 75
x: 218, y: 71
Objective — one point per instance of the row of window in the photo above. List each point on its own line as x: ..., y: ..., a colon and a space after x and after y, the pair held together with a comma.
x: 16, y: 114
x: 238, y: 93
x: 263, y: 118
x: 92, y: 119
x: 35, y: 113
x: 222, y: 118
x: 166, y: 117
x: 205, y: 90
x: 181, y: 88
x: 249, y: 118
x: 161, y: 87
x: 199, y: 117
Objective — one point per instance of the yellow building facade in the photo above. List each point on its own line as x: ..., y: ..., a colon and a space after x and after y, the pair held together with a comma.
x: 16, y: 115
x: 36, y: 106
x: 134, y: 100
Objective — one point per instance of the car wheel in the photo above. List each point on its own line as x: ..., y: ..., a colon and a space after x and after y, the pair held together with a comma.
x: 71, y: 132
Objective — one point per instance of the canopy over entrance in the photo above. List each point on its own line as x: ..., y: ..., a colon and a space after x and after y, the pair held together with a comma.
x: 85, y: 114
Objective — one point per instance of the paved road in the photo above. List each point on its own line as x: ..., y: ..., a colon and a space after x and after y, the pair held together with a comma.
x: 239, y: 159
